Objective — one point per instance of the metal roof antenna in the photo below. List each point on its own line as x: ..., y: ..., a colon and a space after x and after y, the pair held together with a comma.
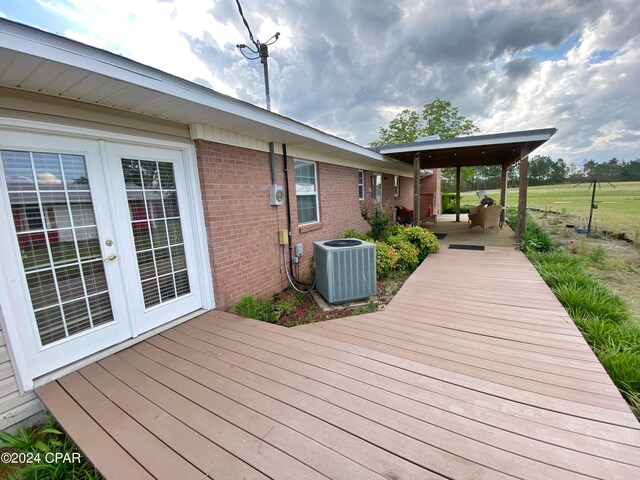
x: 258, y: 50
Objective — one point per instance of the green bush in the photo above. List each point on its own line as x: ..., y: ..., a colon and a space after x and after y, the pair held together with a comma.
x: 353, y: 234
x: 379, y: 218
x: 408, y: 255
x: 448, y: 202
x: 386, y: 259
x: 425, y: 241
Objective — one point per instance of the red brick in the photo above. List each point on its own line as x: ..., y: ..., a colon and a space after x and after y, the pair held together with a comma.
x: 242, y: 226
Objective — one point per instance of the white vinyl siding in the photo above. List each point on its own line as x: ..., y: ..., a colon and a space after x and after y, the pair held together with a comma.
x: 306, y: 192
x: 14, y: 407
x: 360, y: 185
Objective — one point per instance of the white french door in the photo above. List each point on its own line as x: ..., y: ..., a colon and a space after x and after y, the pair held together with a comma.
x: 98, y: 244
x: 151, y: 215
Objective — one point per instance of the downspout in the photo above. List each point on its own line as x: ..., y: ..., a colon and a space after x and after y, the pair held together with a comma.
x: 286, y: 196
x: 286, y: 186
x: 272, y: 161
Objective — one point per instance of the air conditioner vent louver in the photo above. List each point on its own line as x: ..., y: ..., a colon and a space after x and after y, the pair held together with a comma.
x: 345, y: 269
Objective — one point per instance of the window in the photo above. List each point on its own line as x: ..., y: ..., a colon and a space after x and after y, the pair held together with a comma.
x: 396, y: 186
x: 376, y: 184
x: 306, y: 192
x: 360, y: 185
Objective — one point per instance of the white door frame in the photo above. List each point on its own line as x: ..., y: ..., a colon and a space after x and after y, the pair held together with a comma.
x: 147, y: 319
x: 13, y: 308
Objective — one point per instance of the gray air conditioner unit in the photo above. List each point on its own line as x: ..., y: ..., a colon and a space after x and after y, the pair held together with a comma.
x: 345, y: 269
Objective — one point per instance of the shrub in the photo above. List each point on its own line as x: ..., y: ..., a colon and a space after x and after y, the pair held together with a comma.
x: 353, y: 234
x: 423, y: 239
x: 448, y: 202
x: 408, y: 255
x: 386, y: 259
x: 378, y: 217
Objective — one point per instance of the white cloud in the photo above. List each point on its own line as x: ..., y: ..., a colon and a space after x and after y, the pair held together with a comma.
x: 347, y: 66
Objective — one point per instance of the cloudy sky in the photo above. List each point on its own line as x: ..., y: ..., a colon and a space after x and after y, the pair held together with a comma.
x: 349, y: 66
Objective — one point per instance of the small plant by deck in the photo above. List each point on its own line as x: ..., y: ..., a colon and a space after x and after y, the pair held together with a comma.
x: 47, y: 454
x: 267, y: 310
x: 406, y: 247
x: 602, y: 317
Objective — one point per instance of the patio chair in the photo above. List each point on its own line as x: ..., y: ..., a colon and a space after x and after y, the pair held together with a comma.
x: 404, y: 216
x: 473, y: 211
x: 487, y: 217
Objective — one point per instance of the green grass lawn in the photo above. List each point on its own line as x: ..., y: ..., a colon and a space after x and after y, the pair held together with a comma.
x: 618, y: 208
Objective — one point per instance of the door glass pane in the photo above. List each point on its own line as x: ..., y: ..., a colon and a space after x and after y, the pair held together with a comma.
x: 157, y: 230
x: 377, y: 187
x: 55, y: 226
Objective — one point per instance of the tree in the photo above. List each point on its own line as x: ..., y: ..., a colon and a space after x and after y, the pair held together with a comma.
x: 540, y: 168
x: 559, y: 172
x: 438, y: 118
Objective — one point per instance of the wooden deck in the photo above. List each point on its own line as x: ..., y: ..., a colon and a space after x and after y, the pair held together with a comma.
x: 473, y: 371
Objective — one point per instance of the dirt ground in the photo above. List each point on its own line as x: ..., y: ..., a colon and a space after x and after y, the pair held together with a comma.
x: 305, y: 309
x: 618, y: 267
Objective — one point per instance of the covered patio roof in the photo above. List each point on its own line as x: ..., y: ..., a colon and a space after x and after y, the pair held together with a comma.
x: 502, y: 149
x: 493, y: 149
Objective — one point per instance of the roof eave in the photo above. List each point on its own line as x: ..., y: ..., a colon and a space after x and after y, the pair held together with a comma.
x: 539, y: 135
x: 31, y: 41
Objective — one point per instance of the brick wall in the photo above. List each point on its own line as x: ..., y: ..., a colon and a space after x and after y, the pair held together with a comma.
x: 242, y: 227
x: 406, y: 193
x: 431, y: 194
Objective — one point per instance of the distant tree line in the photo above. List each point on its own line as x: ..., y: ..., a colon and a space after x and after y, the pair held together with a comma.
x: 543, y: 170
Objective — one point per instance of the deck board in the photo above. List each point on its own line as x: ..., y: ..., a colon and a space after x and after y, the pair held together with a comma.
x: 473, y: 371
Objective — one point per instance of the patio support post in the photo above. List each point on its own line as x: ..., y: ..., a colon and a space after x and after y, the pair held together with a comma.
x: 522, y: 196
x: 503, y: 186
x: 416, y: 189
x: 457, y: 193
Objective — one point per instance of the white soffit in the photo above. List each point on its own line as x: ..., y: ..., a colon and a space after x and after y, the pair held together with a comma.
x: 37, y: 61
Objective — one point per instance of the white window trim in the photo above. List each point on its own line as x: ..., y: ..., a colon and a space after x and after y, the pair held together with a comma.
x: 315, y: 193
x: 361, y: 184
x: 396, y: 186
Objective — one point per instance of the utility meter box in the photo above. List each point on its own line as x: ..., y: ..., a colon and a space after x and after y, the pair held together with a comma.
x: 276, y: 194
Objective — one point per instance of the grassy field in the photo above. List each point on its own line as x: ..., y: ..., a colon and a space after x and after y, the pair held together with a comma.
x: 618, y: 205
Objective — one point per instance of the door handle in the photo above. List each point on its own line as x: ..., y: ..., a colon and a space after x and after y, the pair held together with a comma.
x: 110, y: 257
